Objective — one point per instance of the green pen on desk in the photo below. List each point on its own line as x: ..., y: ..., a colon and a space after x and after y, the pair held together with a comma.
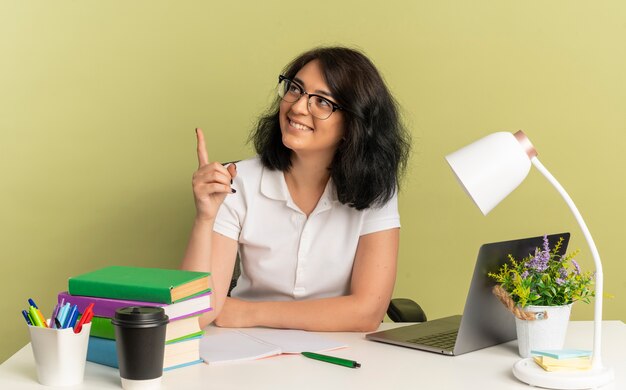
x: 332, y: 359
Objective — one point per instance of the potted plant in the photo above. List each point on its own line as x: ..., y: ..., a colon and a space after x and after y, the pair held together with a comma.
x: 540, y: 290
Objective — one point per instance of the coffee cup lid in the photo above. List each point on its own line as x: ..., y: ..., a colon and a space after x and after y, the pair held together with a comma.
x: 140, y: 316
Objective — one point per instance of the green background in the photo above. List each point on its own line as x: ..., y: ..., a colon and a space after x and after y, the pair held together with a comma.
x: 99, y: 101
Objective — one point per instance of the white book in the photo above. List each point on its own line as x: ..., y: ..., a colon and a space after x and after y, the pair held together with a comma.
x: 224, y: 345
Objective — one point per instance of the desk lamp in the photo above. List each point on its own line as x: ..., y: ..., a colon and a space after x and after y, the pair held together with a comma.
x: 490, y: 169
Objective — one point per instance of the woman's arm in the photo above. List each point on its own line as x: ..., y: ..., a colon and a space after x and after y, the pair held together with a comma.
x: 373, y: 278
x: 212, y: 252
x: 208, y: 251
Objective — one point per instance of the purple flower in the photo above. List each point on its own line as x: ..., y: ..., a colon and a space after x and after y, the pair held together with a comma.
x: 563, y: 273
x: 524, y: 274
x: 560, y: 281
x: 576, y: 266
x: 539, y: 262
x: 546, y: 244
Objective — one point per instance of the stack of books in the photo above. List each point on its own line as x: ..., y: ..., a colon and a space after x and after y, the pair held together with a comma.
x: 563, y: 359
x: 183, y: 295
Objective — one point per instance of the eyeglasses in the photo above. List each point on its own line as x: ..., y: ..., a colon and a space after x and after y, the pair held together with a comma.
x: 318, y: 106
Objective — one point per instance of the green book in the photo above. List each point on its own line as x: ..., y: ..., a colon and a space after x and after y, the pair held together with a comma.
x: 102, y: 327
x: 177, y: 330
x: 140, y: 284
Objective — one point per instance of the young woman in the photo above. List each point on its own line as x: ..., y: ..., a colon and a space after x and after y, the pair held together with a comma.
x: 314, y: 217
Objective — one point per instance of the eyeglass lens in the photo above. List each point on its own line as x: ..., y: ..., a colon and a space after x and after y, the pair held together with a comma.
x: 291, y: 92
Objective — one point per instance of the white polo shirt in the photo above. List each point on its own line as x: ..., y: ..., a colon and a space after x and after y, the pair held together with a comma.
x: 285, y: 255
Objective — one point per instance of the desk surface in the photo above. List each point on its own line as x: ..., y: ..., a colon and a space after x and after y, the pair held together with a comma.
x: 383, y: 367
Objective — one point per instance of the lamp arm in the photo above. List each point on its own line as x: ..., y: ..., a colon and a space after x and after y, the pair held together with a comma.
x: 597, y: 333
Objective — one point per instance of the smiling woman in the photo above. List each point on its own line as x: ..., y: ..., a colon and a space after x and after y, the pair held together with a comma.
x: 308, y: 125
x: 314, y: 218
x: 373, y: 129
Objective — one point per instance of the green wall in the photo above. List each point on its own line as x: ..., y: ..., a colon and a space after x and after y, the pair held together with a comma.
x: 99, y: 101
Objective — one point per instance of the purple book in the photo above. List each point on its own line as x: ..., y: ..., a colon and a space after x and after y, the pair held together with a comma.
x: 105, y: 307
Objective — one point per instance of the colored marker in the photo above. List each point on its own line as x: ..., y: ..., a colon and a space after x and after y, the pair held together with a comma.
x: 44, y: 323
x: 332, y: 359
x: 26, y: 317
x: 85, y: 318
x: 34, y: 317
x: 73, y: 319
x: 70, y: 316
x: 63, y: 314
x: 32, y: 321
x: 32, y: 303
x: 53, y: 317
x: 57, y: 313
x: 42, y: 318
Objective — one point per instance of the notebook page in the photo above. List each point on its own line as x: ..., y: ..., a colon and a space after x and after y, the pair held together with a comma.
x: 293, y: 341
x: 219, y: 345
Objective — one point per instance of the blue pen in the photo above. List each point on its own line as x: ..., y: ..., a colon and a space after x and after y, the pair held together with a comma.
x: 32, y: 303
x: 62, y: 314
x: 25, y: 314
x: 73, y: 319
x: 68, y: 318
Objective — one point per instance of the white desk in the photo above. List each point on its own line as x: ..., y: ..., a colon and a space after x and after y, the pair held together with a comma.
x: 383, y: 367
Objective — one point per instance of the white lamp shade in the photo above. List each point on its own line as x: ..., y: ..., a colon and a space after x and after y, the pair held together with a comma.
x: 490, y: 168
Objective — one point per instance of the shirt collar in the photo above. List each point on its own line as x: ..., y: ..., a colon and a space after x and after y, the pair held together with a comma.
x: 273, y: 186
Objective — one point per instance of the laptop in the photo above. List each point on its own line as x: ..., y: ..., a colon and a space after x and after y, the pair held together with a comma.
x: 485, y: 320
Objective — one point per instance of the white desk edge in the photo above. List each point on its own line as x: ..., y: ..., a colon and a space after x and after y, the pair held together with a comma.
x: 383, y: 367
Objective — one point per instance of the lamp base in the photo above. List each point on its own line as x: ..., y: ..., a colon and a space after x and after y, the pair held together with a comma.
x: 527, y: 371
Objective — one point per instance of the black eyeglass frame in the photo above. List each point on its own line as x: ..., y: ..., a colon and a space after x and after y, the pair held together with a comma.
x: 334, y: 105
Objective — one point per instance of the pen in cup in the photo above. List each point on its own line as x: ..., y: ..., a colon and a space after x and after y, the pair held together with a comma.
x: 40, y: 320
x: 35, y: 318
x: 71, y: 317
x: 53, y: 317
x: 85, y: 318
x: 63, y: 312
x: 27, y: 317
x: 64, y: 315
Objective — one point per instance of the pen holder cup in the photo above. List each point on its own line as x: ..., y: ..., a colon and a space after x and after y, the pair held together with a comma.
x: 60, y: 354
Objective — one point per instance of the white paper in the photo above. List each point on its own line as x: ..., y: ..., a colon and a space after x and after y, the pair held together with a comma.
x: 221, y: 345
x: 294, y: 341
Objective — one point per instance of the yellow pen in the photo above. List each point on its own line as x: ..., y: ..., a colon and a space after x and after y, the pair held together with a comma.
x: 34, y: 316
x: 44, y: 323
x: 37, y: 313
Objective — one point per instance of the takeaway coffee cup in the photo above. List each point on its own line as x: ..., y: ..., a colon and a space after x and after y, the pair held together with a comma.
x: 140, y: 344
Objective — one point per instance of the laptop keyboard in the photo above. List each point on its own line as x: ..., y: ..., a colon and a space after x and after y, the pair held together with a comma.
x: 444, y: 340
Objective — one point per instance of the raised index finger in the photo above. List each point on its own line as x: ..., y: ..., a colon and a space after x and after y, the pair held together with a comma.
x: 203, y: 157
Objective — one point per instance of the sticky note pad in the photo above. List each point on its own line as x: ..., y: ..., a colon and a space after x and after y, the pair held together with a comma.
x: 579, y: 362
x: 574, y: 364
x: 562, y: 353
